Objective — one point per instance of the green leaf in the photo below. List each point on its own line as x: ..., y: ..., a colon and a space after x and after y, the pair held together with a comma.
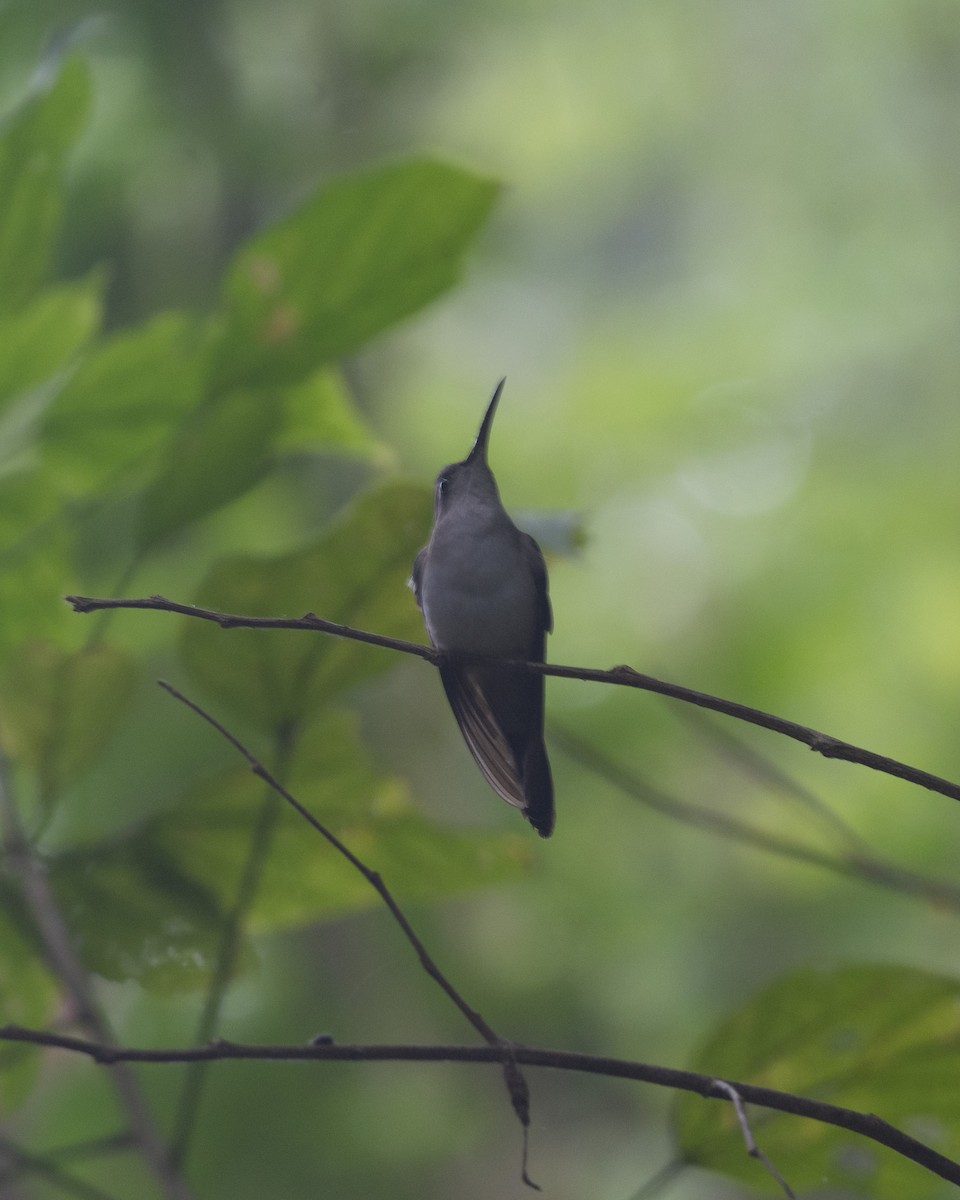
x: 877, y: 1039
x: 355, y: 574
x: 320, y: 415
x: 41, y: 338
x: 122, y: 402
x: 33, y: 144
x: 134, y: 915
x: 36, y: 570
x: 222, y: 450
x: 58, y: 709
x: 305, y: 878
x: 149, y: 906
x: 359, y: 256
x: 26, y: 499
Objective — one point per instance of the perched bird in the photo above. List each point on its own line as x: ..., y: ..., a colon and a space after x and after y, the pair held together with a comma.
x: 481, y: 585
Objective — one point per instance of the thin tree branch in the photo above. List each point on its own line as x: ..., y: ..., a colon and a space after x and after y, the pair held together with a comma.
x: 748, y: 1139
x: 624, y: 676
x: 63, y: 959
x: 867, y: 1125
x: 852, y: 864
x: 516, y: 1084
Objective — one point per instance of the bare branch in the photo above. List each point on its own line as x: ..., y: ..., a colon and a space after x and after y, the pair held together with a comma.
x: 371, y: 877
x: 749, y: 1141
x: 624, y: 676
x: 309, y: 622
x: 866, y: 1124
x: 516, y: 1084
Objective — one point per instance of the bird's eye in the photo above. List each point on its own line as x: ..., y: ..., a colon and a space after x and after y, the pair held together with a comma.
x: 445, y: 482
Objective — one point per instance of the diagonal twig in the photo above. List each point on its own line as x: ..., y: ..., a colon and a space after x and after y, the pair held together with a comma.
x: 749, y: 1141
x: 515, y: 1082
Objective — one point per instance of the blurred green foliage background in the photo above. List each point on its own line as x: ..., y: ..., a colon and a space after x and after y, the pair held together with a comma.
x: 722, y: 276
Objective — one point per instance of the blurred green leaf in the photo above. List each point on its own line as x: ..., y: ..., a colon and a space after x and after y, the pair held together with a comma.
x: 222, y: 450
x: 359, y: 256
x: 36, y: 571
x: 33, y: 143
x: 26, y: 499
x: 59, y: 709
x: 878, y: 1039
x: 28, y: 997
x: 147, y: 906
x: 134, y: 915
x: 41, y: 337
x: 355, y: 574
x: 121, y: 403
x: 320, y: 415
x: 305, y: 879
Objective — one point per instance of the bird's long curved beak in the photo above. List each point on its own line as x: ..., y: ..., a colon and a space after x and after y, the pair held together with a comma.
x: 479, y: 450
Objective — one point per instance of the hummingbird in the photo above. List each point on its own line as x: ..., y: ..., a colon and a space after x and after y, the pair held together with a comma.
x: 481, y: 584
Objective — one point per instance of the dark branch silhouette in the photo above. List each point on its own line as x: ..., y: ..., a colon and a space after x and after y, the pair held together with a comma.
x: 866, y: 1124
x: 516, y: 1084
x: 624, y: 676
x: 507, y: 1055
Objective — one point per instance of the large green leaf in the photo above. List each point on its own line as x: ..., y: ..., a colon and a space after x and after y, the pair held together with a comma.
x: 36, y: 570
x: 58, y: 709
x: 33, y: 143
x: 26, y: 500
x: 134, y: 915
x: 121, y: 403
x: 221, y: 451
x: 305, y: 878
x: 359, y: 256
x: 226, y: 446
x: 41, y: 337
x: 879, y: 1039
x: 147, y: 906
x: 355, y: 574
x: 320, y: 416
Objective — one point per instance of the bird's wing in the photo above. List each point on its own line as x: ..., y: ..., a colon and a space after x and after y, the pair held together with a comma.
x: 482, y: 733
x: 513, y: 763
